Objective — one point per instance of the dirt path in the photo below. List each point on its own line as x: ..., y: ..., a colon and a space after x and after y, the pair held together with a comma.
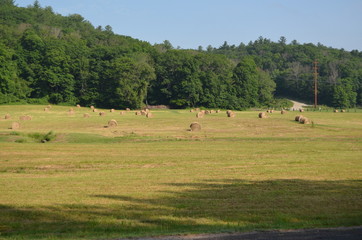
x: 343, y: 233
x: 298, y: 105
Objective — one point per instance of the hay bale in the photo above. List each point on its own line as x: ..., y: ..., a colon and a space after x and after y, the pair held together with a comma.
x: 92, y: 107
x: 218, y: 111
x: 127, y: 109
x: 262, y: 115
x: 304, y: 120
x: 343, y: 110
x: 102, y: 114
x: 200, y: 115
x: 138, y: 113
x: 46, y: 109
x: 78, y: 106
x: 192, y: 110
x: 7, y: 116
x: 146, y: 110
x: 112, y: 110
x: 207, y: 112
x: 86, y: 115
x: 49, y: 106
x: 335, y: 110
x: 15, y: 125
x: 283, y: 112
x: 71, y: 110
x: 143, y: 112
x: 298, y: 117
x: 301, y: 110
x: 95, y: 110
x: 25, y: 118
x: 121, y: 113
x: 149, y: 115
x: 230, y: 114
x: 195, y: 127
x: 112, y: 123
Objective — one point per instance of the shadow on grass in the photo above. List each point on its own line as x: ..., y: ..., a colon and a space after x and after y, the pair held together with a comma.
x: 208, y: 206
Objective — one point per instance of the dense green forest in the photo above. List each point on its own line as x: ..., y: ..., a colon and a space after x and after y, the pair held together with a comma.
x: 46, y: 57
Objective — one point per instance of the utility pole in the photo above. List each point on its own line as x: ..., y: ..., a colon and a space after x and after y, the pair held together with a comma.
x: 315, y: 74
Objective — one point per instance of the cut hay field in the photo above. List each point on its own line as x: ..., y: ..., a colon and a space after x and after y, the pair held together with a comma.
x: 151, y: 176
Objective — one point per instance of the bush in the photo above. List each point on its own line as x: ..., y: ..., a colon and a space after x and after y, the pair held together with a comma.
x: 282, y: 103
x: 43, y: 137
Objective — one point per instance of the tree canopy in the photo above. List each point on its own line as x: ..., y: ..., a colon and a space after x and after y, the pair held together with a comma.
x: 46, y: 57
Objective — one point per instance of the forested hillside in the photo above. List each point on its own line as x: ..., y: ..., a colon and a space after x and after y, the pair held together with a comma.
x: 46, y: 57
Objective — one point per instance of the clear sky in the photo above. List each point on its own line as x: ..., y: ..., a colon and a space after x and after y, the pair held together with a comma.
x: 193, y: 23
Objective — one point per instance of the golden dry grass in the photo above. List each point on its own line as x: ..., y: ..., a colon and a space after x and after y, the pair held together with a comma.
x: 151, y: 176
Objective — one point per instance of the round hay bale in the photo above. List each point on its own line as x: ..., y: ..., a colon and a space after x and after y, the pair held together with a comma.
x: 200, y: 115
x: 95, y: 110
x: 283, y: 112
x: 143, y: 113
x: 138, y: 113
x: 121, y: 113
x: 197, y: 109
x: 149, y: 115
x: 192, y: 110
x: 147, y: 110
x: 298, y: 117
x: 230, y: 114
x: 195, y: 127
x: 71, y: 109
x: 301, y: 110
x: 15, y: 125
x: 112, y: 123
x: 7, y: 116
x: 207, y: 112
x: 127, y: 109
x: 86, y: 115
x: 25, y: 118
x: 335, y: 110
x: 46, y: 109
x: 92, y: 107
x: 78, y: 106
x: 262, y: 115
x: 112, y: 110
x: 301, y: 119
x: 218, y: 111
x: 49, y: 106
x: 343, y: 110
x: 304, y: 120
x: 102, y: 114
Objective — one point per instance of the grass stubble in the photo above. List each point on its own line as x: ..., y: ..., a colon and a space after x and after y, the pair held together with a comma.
x: 151, y: 176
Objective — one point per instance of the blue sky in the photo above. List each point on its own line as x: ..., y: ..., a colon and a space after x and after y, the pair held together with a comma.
x: 193, y: 23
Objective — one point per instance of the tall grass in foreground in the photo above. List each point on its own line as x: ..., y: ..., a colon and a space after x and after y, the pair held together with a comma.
x: 153, y: 177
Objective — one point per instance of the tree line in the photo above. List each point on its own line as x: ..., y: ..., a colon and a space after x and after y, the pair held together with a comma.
x: 46, y: 57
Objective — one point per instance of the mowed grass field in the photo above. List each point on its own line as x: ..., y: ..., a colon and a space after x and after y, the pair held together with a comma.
x: 151, y: 176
